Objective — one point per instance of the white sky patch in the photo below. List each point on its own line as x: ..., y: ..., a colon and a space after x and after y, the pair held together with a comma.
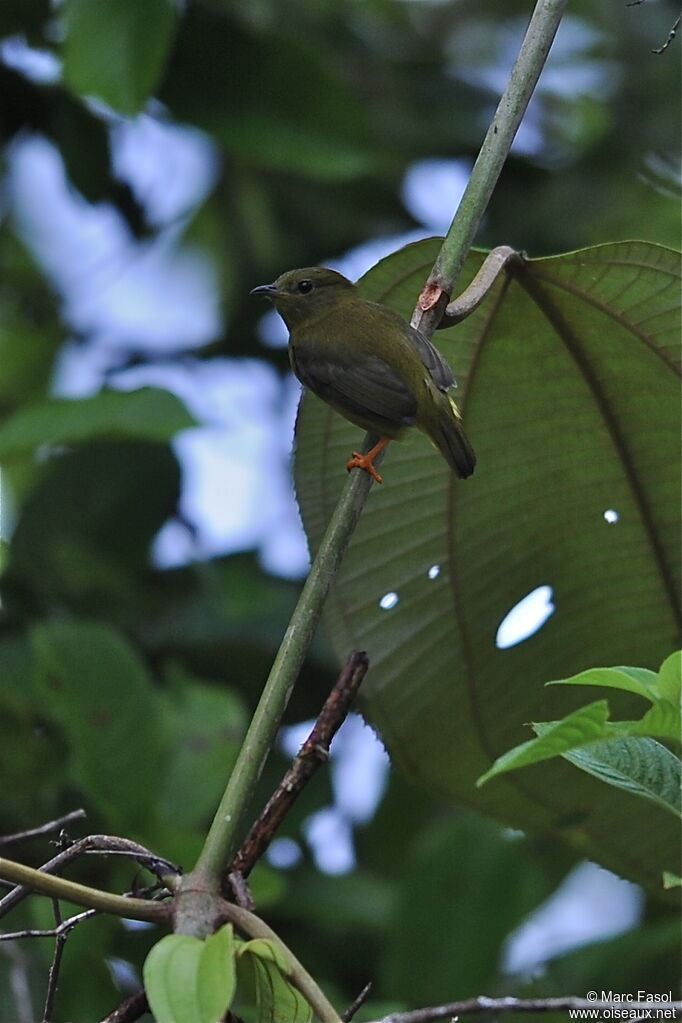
x: 284, y: 853
x: 39, y: 66
x: 330, y: 838
x: 360, y: 767
x: 432, y: 190
x: 236, y: 468
x: 171, y: 168
x: 141, y: 295
x: 591, y: 904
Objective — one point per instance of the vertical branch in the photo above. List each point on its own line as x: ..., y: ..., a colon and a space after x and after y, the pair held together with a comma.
x: 490, y: 161
x: 222, y: 837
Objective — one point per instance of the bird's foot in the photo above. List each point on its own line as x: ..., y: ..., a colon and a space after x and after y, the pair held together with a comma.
x: 365, y: 462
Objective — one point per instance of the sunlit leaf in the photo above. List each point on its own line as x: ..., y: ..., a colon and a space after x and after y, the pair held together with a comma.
x: 554, y: 739
x: 631, y: 680
x: 568, y: 381
x: 670, y: 678
x: 191, y: 981
x: 147, y: 414
x: 662, y: 721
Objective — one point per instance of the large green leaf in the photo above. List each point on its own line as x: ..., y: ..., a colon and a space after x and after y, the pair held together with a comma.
x: 568, y: 381
x: 149, y: 414
x: 95, y: 686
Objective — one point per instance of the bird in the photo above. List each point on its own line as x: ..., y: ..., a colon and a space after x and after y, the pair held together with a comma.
x: 369, y: 364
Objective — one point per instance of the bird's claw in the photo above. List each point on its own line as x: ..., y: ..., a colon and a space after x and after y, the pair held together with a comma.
x: 360, y: 461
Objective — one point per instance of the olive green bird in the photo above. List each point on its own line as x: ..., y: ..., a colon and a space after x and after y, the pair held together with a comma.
x: 370, y: 365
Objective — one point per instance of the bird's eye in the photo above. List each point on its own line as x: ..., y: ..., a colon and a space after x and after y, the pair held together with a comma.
x: 305, y: 286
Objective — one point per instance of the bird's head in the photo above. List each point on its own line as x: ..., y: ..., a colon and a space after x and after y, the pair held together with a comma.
x: 299, y: 294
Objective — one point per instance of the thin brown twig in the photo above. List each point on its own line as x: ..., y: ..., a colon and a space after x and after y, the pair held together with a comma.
x: 55, y: 966
x: 44, y: 829
x: 51, y: 932
x: 129, y: 1010
x: 357, y: 1003
x: 671, y: 36
x: 100, y: 843
x: 313, y: 753
x: 533, y: 1005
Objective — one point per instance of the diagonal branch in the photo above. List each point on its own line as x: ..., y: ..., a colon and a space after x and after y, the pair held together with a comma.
x: 313, y: 753
x: 44, y: 829
x: 80, y: 894
x: 222, y: 837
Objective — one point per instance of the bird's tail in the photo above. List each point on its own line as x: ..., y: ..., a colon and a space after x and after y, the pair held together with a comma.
x: 451, y: 440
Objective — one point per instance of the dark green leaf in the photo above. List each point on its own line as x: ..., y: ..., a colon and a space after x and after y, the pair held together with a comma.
x: 462, y: 875
x: 569, y: 384
x: 117, y: 50
x: 85, y: 530
x: 101, y: 694
x: 205, y: 725
x: 640, y: 766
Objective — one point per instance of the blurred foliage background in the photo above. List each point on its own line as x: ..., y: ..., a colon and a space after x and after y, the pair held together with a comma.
x: 303, y: 129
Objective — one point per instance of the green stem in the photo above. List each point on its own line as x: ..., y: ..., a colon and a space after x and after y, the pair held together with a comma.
x: 498, y: 141
x: 222, y: 837
x: 224, y: 832
x: 82, y: 895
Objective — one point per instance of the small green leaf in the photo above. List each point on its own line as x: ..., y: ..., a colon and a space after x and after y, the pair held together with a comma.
x: 640, y: 766
x: 169, y: 973
x: 191, y: 981
x: 577, y: 729
x: 263, y: 968
x: 671, y: 880
x: 632, y: 680
x: 117, y: 50
x: 266, y: 949
x: 670, y: 678
x: 148, y: 413
x: 662, y: 721
x: 217, y: 977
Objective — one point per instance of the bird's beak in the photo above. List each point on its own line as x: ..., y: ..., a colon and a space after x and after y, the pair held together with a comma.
x: 269, y: 290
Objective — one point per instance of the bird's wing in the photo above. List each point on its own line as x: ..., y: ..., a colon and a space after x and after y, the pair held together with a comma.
x: 366, y: 387
x: 431, y: 357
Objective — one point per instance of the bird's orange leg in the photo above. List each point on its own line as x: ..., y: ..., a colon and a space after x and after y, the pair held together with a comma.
x: 366, y: 462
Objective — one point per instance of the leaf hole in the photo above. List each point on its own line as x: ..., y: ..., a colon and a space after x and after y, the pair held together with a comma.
x: 388, y: 601
x: 525, y: 618
x: 611, y: 516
